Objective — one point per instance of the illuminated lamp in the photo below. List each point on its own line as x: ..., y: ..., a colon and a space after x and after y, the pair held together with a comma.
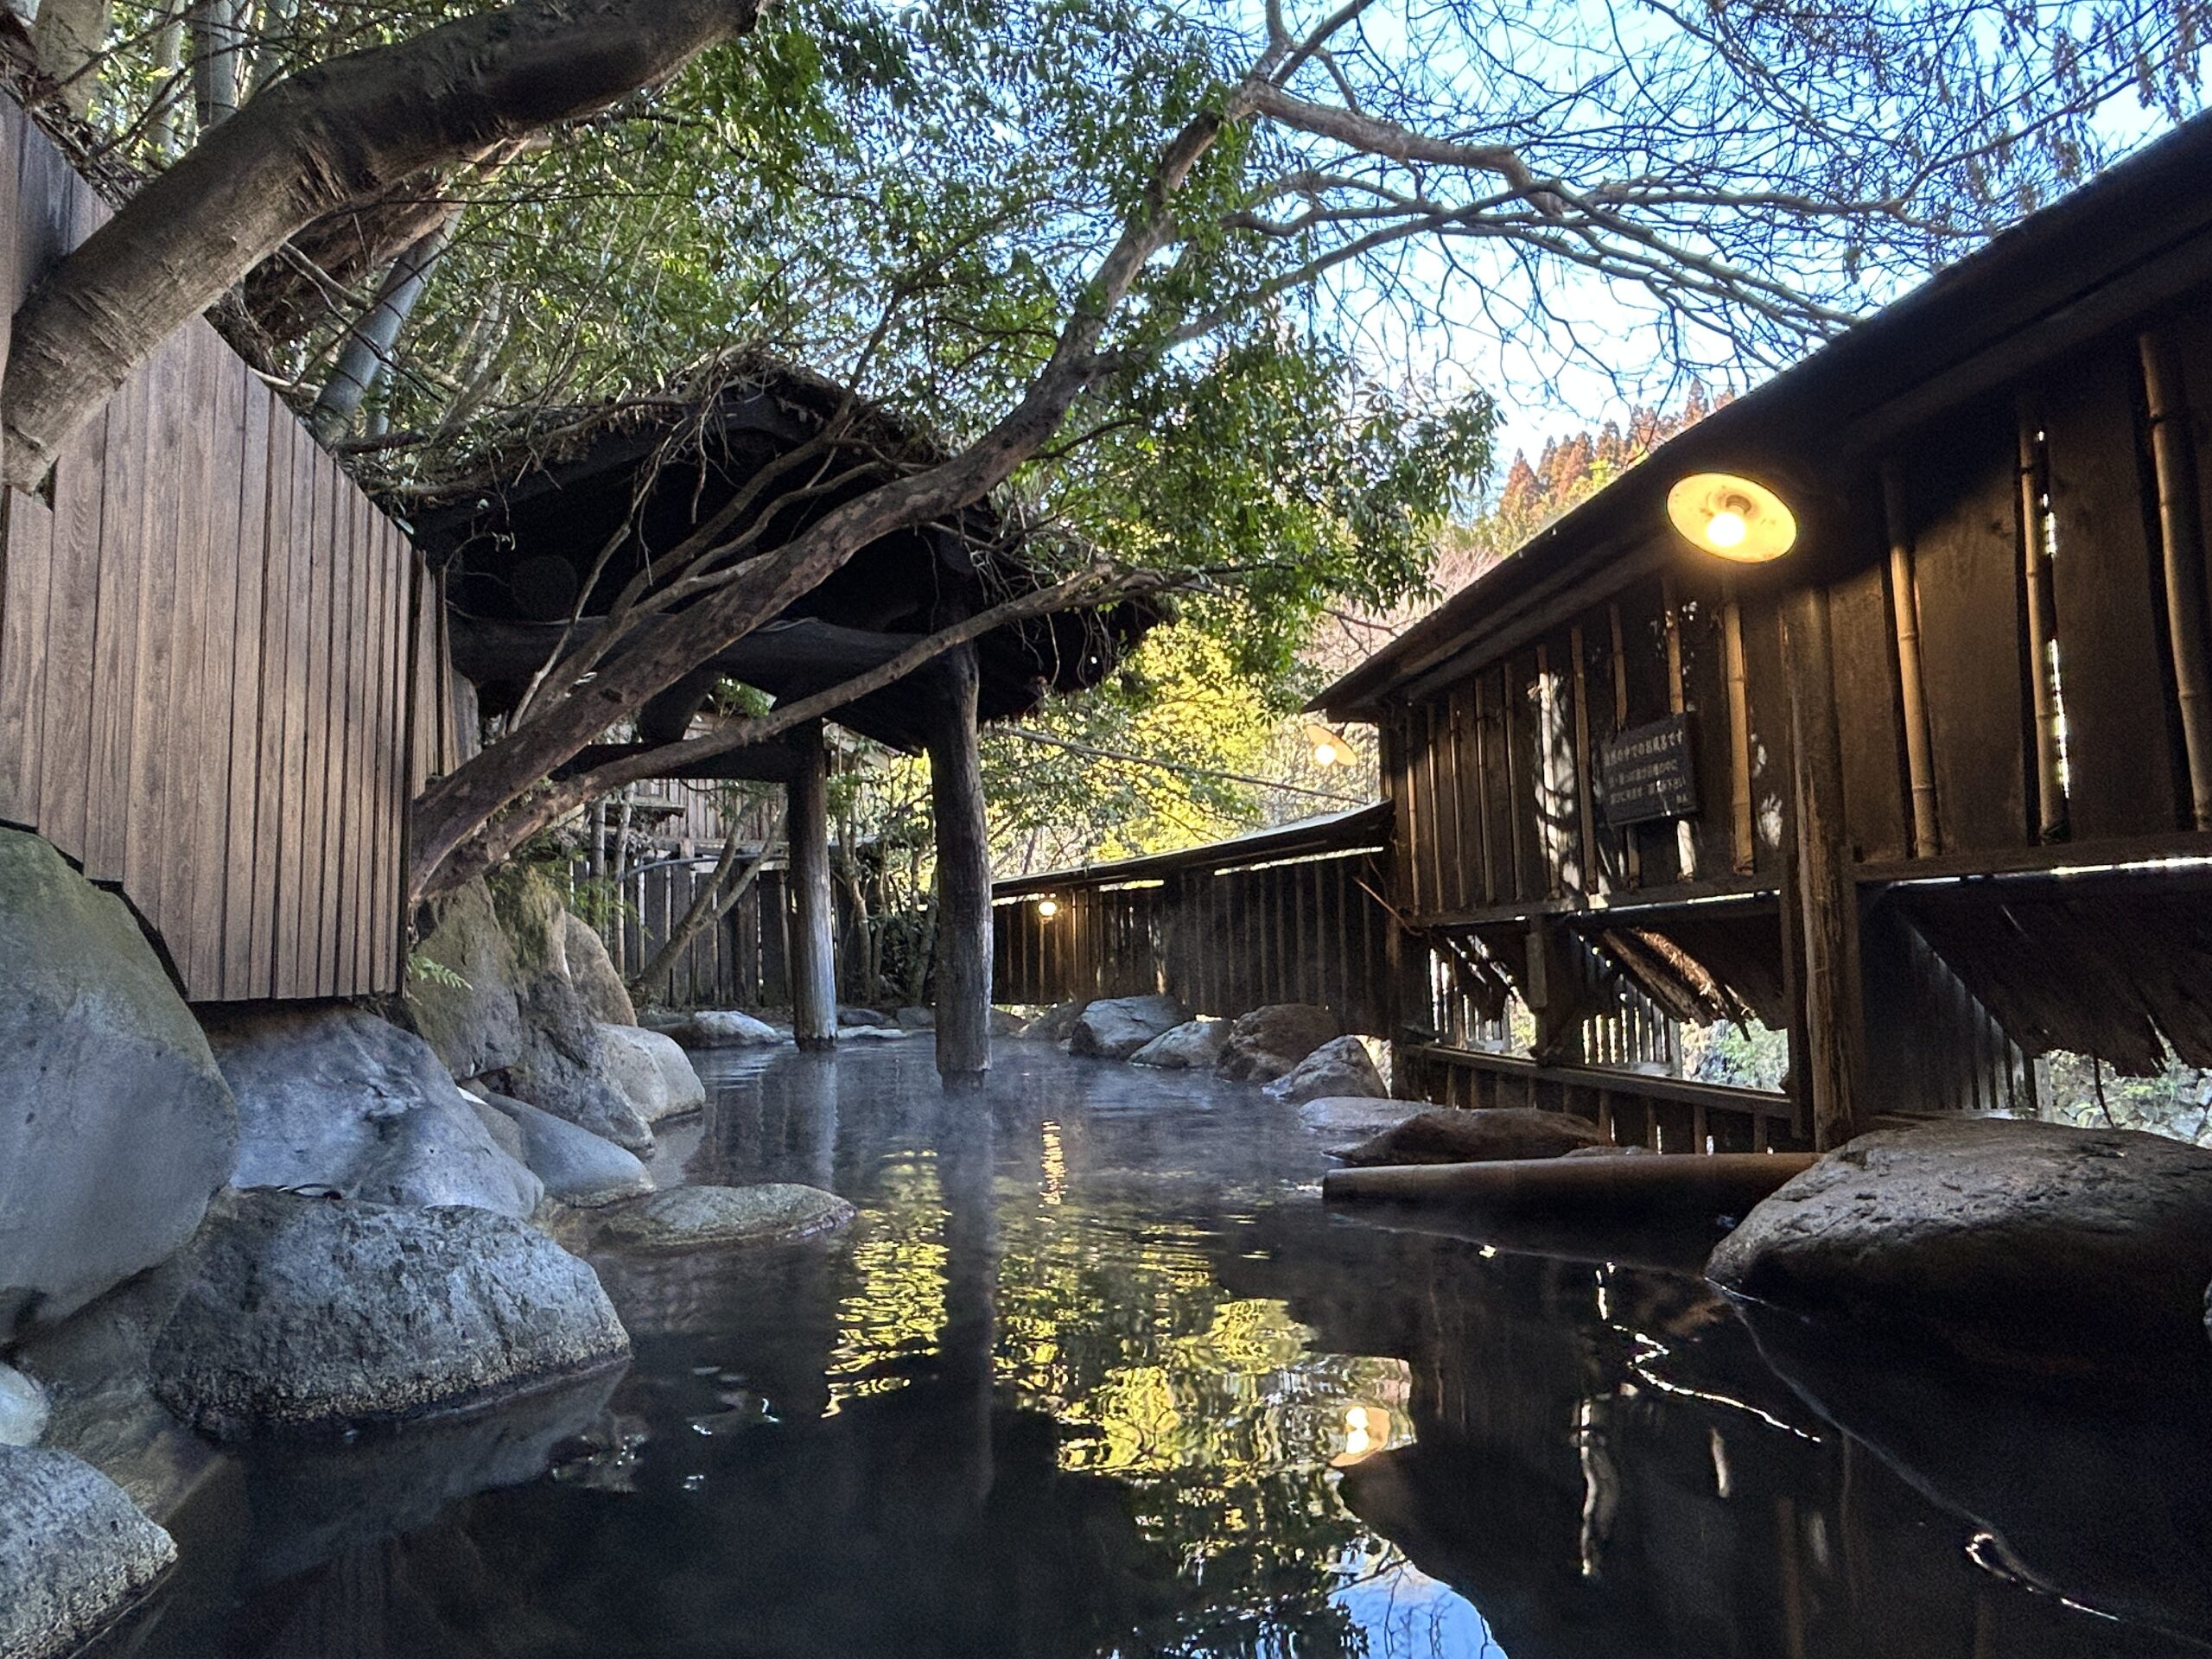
x: 1731, y: 517
x: 1329, y: 749
x: 1048, y: 908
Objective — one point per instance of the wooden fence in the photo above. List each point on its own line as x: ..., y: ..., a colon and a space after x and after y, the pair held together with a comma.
x: 741, y: 962
x: 1281, y: 917
x: 222, y: 671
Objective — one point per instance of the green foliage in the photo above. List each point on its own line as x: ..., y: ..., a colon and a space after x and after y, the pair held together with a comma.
x: 429, y: 970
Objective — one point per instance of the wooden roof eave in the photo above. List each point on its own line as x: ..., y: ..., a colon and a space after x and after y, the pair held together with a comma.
x: 2136, y: 238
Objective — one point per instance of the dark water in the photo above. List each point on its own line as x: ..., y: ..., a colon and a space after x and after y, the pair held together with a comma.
x: 1095, y: 1373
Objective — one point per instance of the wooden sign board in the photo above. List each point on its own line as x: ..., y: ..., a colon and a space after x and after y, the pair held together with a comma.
x: 1649, y: 771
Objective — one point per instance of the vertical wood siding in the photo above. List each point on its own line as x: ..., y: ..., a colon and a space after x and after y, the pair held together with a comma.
x: 222, y: 671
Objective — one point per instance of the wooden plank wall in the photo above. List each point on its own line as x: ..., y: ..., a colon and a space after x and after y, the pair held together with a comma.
x: 741, y: 963
x: 213, y: 657
x: 1225, y: 941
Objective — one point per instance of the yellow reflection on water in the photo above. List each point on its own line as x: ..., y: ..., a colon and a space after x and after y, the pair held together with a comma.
x: 894, y: 1308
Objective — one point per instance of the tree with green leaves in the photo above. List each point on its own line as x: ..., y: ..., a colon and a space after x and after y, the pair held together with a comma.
x: 1149, y: 278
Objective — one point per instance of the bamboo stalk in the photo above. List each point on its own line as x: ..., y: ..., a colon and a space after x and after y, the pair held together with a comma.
x: 1904, y: 600
x: 1584, y: 803
x: 1677, y: 702
x: 2043, y: 631
x: 1739, y: 731
x: 1631, y: 864
x: 2181, y: 535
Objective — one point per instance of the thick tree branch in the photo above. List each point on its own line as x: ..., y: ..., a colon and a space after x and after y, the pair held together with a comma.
x: 340, y: 133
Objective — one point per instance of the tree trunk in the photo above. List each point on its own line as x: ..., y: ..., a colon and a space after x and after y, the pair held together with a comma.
x: 713, y: 903
x: 219, y: 59
x: 814, y: 961
x: 964, y: 877
x: 456, y: 805
x: 307, y: 146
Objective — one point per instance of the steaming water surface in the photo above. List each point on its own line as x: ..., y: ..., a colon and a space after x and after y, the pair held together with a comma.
x: 1094, y: 1373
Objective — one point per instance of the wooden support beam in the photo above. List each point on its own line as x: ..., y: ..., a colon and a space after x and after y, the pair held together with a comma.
x: 2181, y: 539
x: 814, y: 963
x: 964, y: 874
x: 1825, y: 898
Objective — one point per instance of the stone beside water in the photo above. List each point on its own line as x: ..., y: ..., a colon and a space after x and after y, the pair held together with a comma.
x: 726, y: 1028
x: 697, y: 1217
x: 115, y: 1125
x: 651, y: 1070
x: 1342, y: 1066
x: 301, y: 1313
x: 1115, y: 1027
x: 2026, y: 1244
x: 1194, y: 1046
x: 1473, y: 1137
x: 577, y: 1166
x: 1269, y: 1041
x: 75, y: 1551
x: 335, y: 1099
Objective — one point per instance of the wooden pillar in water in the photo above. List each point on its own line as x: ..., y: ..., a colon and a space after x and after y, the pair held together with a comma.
x: 964, y: 874
x: 814, y: 970
x: 1821, y: 893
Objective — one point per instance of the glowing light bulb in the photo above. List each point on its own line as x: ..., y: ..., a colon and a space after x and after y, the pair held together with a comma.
x: 1324, y: 753
x: 1736, y: 518
x: 1048, y: 908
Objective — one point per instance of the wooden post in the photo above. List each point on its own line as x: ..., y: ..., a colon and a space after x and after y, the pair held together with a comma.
x: 2181, y: 535
x: 1739, y: 732
x: 963, y: 875
x: 2042, y: 630
x: 1822, y: 891
x: 814, y: 963
x: 1904, y: 601
x: 1677, y: 702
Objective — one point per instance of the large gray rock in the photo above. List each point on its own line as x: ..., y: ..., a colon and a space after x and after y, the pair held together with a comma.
x: 535, y: 987
x: 476, y: 1025
x: 22, y: 1409
x: 652, y: 1071
x: 577, y: 1166
x: 591, y: 970
x: 1057, y: 1023
x: 1005, y: 1023
x: 1115, y: 1027
x: 868, y: 1017
x: 726, y: 1028
x: 911, y: 1018
x: 335, y: 1099
x: 75, y: 1551
x: 2027, y: 1244
x: 1341, y: 1067
x: 1477, y: 1137
x: 1266, y: 1042
x: 115, y: 1125
x: 1359, y: 1114
x: 1194, y: 1046
x: 298, y: 1313
x: 697, y: 1217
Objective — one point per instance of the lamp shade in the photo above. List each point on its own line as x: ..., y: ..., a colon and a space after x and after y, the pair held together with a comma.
x: 1731, y: 517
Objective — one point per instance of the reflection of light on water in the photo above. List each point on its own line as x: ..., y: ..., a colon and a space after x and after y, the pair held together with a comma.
x: 895, y: 1308
x: 1055, y: 1187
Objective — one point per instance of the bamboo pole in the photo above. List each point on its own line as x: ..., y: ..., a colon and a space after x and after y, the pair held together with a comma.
x: 2042, y: 630
x: 1584, y: 803
x: 1677, y: 702
x: 2181, y: 536
x: 1739, y: 731
x: 1904, y: 601
x: 1631, y: 865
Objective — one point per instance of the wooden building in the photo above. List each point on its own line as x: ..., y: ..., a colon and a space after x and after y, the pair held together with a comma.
x: 223, y: 671
x: 1931, y: 792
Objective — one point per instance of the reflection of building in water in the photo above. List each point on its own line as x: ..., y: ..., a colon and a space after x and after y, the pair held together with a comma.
x: 1602, y: 1462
